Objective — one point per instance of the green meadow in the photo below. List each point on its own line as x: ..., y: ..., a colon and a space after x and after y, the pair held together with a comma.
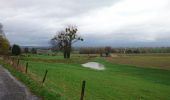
x: 119, y: 81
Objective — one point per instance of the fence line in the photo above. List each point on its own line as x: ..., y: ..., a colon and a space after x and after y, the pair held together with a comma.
x: 15, y: 63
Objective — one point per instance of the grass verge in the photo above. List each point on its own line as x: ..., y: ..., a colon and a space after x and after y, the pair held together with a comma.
x: 34, y: 86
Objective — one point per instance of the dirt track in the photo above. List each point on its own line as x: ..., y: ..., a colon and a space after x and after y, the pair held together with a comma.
x: 12, y: 89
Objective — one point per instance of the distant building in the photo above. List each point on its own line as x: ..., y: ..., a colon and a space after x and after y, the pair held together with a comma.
x: 44, y: 51
x: 105, y: 54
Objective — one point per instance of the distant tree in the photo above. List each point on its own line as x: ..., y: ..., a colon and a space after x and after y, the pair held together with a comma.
x: 136, y: 51
x: 26, y: 50
x: 4, y: 46
x: 108, y: 50
x: 129, y: 51
x: 16, y: 50
x: 33, y: 51
x: 64, y: 40
x: 114, y: 51
x: 101, y: 51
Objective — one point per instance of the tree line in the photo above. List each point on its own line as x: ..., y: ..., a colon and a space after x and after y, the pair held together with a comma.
x: 64, y: 40
x: 98, y: 50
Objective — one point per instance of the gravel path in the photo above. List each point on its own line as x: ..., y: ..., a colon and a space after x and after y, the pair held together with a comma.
x: 12, y: 89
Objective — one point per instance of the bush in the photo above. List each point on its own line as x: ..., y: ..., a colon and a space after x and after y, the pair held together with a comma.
x: 16, y: 50
x: 4, y: 46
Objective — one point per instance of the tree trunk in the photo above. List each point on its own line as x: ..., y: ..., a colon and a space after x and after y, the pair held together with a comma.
x: 68, y: 53
x: 69, y: 50
x: 65, y: 54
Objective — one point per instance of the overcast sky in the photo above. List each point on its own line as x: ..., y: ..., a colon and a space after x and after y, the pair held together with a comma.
x: 101, y: 22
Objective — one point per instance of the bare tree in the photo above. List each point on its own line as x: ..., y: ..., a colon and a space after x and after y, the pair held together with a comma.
x: 64, y: 40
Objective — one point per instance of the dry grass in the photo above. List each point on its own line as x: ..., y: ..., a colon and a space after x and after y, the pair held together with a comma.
x: 161, y: 61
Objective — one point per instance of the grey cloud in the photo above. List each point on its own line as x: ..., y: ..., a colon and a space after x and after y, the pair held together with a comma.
x: 54, y: 8
x: 26, y: 19
x: 34, y: 22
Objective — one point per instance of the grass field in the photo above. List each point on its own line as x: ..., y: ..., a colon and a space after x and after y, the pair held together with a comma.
x: 160, y: 61
x: 117, y: 82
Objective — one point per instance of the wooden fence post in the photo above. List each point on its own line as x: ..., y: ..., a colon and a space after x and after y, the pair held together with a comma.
x: 26, y: 69
x: 12, y: 59
x: 44, y: 76
x: 83, y: 90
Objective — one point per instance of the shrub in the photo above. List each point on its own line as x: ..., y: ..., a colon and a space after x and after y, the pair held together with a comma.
x: 16, y: 50
x: 4, y: 46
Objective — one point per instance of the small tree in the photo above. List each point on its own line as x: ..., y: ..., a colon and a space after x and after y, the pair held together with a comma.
x: 4, y: 43
x: 16, y: 50
x: 4, y: 46
x: 64, y: 40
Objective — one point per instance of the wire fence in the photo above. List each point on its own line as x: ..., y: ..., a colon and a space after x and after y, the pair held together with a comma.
x: 23, y: 67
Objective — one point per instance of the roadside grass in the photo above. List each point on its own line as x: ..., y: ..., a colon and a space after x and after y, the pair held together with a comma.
x: 34, y: 86
x: 117, y: 82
